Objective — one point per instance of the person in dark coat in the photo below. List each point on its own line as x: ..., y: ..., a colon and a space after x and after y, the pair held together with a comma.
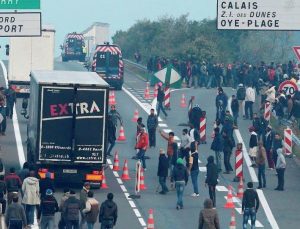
x: 160, y: 100
x: 268, y: 142
x: 235, y: 109
x: 221, y: 104
x: 180, y: 175
x: 277, y: 144
x: 208, y: 218
x: 111, y: 135
x: 256, y: 123
x: 45, y: 184
x: 227, y: 150
x: 71, y: 210
x: 152, y: 123
x: 195, y: 115
x: 15, y: 217
x: 162, y: 171
x: 211, y: 178
x: 24, y: 172
x: 2, y: 194
x: 3, y: 113
x: 10, y: 101
x: 253, y: 143
x: 108, y: 213
x: 217, y: 146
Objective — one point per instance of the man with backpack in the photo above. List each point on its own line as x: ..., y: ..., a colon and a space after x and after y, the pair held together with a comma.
x: 91, y: 210
x: 108, y: 213
x: 241, y: 95
x: 71, y: 211
x: 13, y: 184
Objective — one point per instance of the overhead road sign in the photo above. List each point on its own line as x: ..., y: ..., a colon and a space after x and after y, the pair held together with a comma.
x: 20, y: 4
x: 297, y: 52
x: 21, y: 24
x: 258, y: 15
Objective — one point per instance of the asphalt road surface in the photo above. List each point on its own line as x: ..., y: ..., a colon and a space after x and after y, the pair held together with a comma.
x: 278, y: 210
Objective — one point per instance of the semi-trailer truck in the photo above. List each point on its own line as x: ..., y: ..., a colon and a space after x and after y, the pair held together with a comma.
x: 67, y: 129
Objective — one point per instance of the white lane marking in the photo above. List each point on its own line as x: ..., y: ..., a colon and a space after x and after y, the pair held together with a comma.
x: 3, y: 222
x: 221, y: 188
x: 199, y: 161
x: 245, y: 153
x: 20, y: 149
x: 109, y: 161
x: 123, y: 188
x: 167, y: 130
x: 239, y: 210
x: 202, y: 169
x: 115, y: 174
x: 260, y: 193
x: 267, y: 209
x: 136, y: 100
x: 137, y: 212
x: 111, y: 166
x: 162, y: 125
x: 257, y: 223
x: 127, y: 195
x: 132, y: 204
x: 4, y: 72
x: 119, y: 181
x: 142, y: 222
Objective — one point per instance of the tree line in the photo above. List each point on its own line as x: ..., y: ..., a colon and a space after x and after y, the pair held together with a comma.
x: 200, y: 40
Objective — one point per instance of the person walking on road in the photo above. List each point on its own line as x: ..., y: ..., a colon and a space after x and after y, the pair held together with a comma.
x: 83, y: 198
x: 250, y: 205
x: 160, y: 100
x: 47, y: 210
x: 13, y: 184
x: 62, y: 221
x: 142, y: 146
x: 108, y: 213
x: 253, y: 145
x: 152, y: 123
x: 277, y: 144
x: 208, y: 218
x: 3, y: 192
x: 249, y: 101
x: 15, y: 217
x: 235, y: 110
x: 111, y: 135
x: 194, y: 170
x: 91, y: 210
x: 115, y: 116
x: 185, y: 146
x: 3, y: 113
x: 268, y: 142
x: 261, y: 165
x: 217, y: 146
x: 280, y: 169
x: 241, y: 95
x: 162, y: 171
x: 31, y: 196
x: 180, y: 176
x: 71, y: 210
x: 10, y: 101
x: 227, y: 150
x: 24, y: 172
x: 211, y: 178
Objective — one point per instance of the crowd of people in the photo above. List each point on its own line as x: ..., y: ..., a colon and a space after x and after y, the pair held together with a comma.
x: 27, y: 193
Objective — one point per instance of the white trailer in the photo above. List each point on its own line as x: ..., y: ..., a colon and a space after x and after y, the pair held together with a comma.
x: 27, y: 54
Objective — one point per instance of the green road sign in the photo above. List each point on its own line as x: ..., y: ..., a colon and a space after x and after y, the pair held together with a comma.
x: 20, y: 4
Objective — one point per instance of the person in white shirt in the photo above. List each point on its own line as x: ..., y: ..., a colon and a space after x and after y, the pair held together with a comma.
x: 185, y: 145
x: 249, y: 100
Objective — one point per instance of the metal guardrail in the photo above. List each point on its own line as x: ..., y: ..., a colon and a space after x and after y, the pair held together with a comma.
x: 142, y: 67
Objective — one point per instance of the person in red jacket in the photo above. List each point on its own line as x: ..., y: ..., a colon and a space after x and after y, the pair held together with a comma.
x: 142, y: 145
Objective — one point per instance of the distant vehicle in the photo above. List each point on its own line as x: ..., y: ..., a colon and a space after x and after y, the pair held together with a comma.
x: 73, y: 47
x: 66, y: 132
x: 27, y: 54
x: 107, y: 61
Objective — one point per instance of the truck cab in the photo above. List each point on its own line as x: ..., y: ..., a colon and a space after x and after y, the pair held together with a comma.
x: 73, y: 48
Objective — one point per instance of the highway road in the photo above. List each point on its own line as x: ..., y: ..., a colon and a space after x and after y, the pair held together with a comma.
x: 277, y: 209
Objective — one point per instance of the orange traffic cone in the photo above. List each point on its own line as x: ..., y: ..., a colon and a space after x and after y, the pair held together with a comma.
x: 229, y: 203
x: 136, y: 115
x: 104, y: 185
x: 122, y: 135
x: 116, y: 162
x: 112, y: 98
x: 155, y: 91
x: 142, y: 182
x: 147, y: 92
x: 232, y: 221
x: 183, y: 101
x: 125, y: 175
x: 240, y: 192
x: 150, y: 224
